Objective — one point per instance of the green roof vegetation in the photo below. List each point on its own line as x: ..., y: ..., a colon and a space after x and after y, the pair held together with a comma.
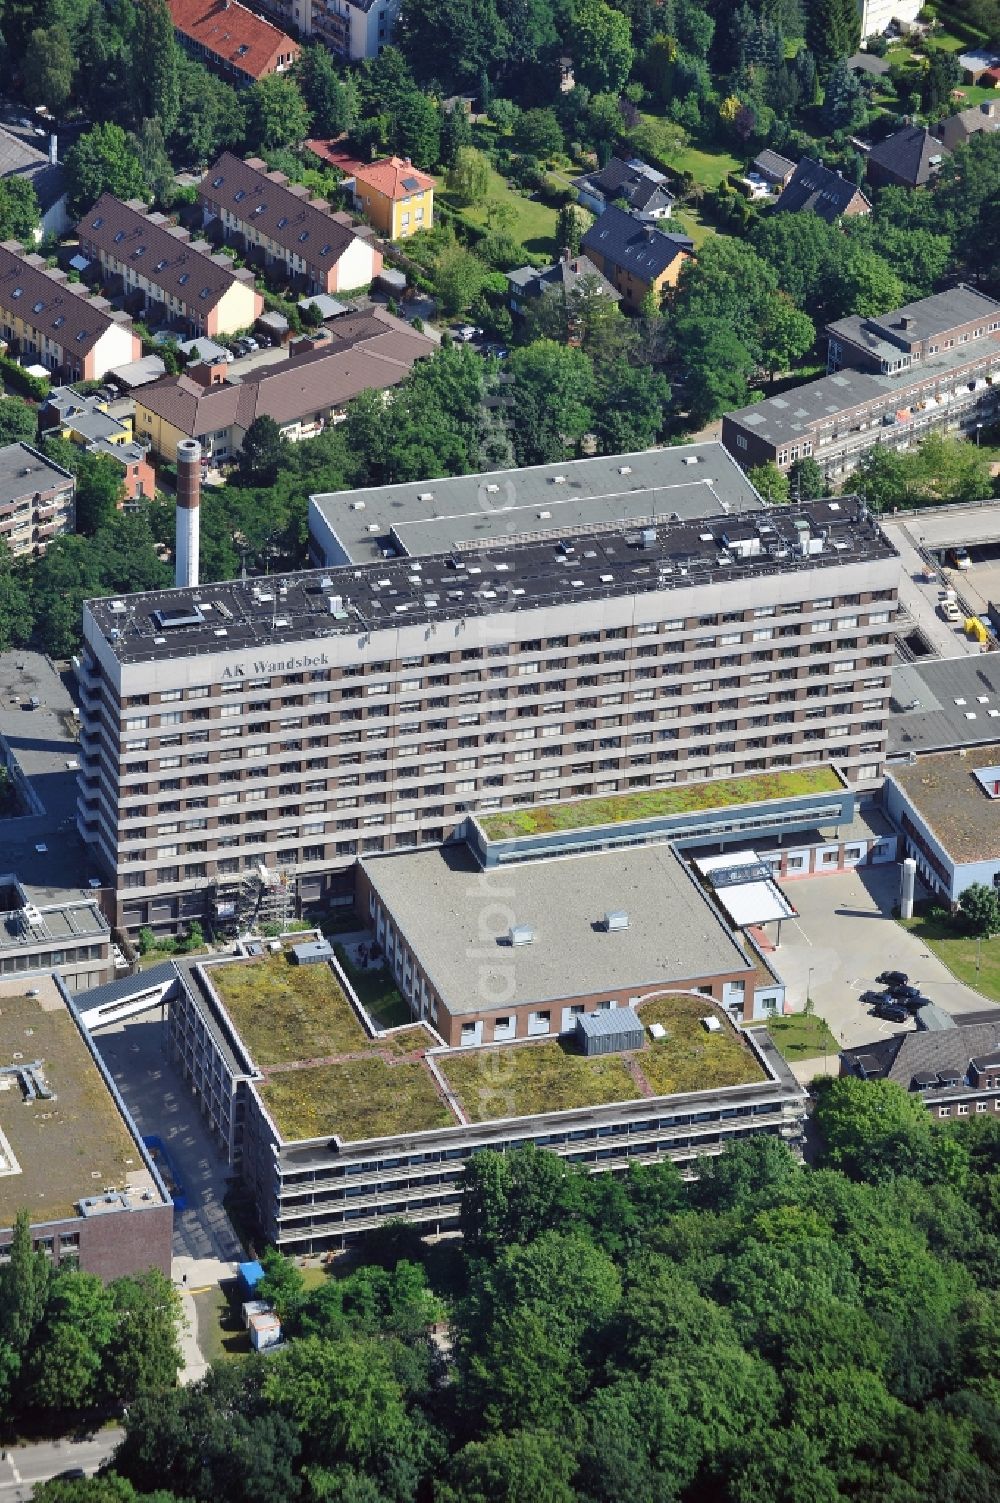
x: 651, y: 803
x: 519, y: 1079
x: 690, y: 1058
x: 366, y: 1097
x: 516, y: 1080
x: 285, y: 1012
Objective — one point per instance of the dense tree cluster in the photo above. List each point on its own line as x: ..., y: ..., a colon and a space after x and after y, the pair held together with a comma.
x: 765, y: 1334
x: 70, y: 1343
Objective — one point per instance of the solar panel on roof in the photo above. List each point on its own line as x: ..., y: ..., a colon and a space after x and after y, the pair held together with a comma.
x: 410, y: 183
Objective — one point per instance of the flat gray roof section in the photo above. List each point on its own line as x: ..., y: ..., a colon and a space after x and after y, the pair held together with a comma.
x: 64, y: 921
x: 945, y: 793
x: 433, y: 516
x: 23, y: 471
x: 928, y: 316
x: 457, y: 919
x: 786, y: 417
x: 943, y: 704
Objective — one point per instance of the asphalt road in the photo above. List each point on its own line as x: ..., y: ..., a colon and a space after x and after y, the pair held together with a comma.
x: 22, y: 1467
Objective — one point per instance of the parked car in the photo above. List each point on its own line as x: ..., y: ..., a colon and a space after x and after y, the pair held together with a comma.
x: 891, y: 1012
x: 959, y: 558
x: 264, y: 341
x: 892, y: 978
x: 951, y: 612
x: 250, y: 342
x: 875, y: 998
x: 467, y: 333
x: 903, y: 993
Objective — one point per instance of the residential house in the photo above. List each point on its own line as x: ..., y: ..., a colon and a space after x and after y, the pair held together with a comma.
x: 85, y: 420
x: 396, y: 197
x: 56, y: 323
x: 773, y: 167
x: 957, y: 129
x: 303, y: 393
x: 37, y: 500
x: 41, y: 169
x: 351, y: 29
x: 638, y: 259
x: 165, y: 273
x: 241, y: 45
x: 877, y: 16
x: 868, y: 64
x: 908, y: 158
x: 934, y: 364
x: 813, y: 187
x: 640, y: 187
x: 281, y: 226
x: 954, y: 1070
x: 570, y: 275
x: 976, y: 64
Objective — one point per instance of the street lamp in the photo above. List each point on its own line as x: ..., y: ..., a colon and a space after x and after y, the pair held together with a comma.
x: 979, y: 429
x: 809, y: 978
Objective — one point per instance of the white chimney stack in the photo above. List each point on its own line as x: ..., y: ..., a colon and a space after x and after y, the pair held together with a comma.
x: 188, y: 512
x: 54, y: 150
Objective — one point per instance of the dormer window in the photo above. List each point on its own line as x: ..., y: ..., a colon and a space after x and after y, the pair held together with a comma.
x: 260, y: 209
x: 240, y: 196
x: 58, y: 322
x: 183, y: 279
x: 38, y: 307
x: 204, y: 292
x: 119, y: 237
x: 282, y: 221
x: 217, y: 182
x: 303, y: 237
x: 18, y: 292
x: 325, y: 251
x: 160, y: 265
x: 81, y: 336
x: 97, y: 223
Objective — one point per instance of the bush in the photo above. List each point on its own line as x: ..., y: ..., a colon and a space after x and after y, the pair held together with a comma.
x: 34, y: 387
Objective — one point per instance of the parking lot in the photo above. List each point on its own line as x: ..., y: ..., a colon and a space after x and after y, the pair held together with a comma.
x: 840, y: 942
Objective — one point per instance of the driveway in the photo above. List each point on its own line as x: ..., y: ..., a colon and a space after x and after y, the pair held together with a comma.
x: 163, y: 1105
x: 919, y: 592
x: 843, y: 938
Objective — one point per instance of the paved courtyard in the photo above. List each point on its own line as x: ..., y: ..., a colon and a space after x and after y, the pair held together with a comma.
x: 162, y: 1105
x: 843, y: 938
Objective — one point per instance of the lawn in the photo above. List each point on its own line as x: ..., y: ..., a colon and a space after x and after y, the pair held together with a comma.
x: 285, y: 1012
x: 221, y: 1333
x: 690, y: 1058
x: 688, y: 798
x: 545, y: 1077
x: 688, y: 221
x: 376, y: 991
x: 960, y: 953
x: 532, y: 224
x: 802, y: 1036
x: 355, y: 1099
x: 708, y: 165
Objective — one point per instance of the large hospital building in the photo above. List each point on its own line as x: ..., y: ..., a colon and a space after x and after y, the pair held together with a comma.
x: 608, y: 625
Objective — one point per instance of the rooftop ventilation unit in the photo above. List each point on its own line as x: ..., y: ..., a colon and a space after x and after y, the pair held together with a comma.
x: 624, y: 469
x: 559, y: 480
x: 521, y: 934
x: 425, y: 496
x: 711, y: 1025
x: 615, y: 920
x: 357, y: 506
x: 492, y: 489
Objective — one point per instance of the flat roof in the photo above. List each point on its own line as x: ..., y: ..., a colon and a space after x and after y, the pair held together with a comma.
x: 944, y: 703
x: 73, y: 1145
x: 429, y: 516
x: 777, y: 419
x: 658, y: 803
x: 674, y: 934
x: 73, y: 921
x: 943, y: 789
x: 23, y: 471
x: 504, y: 577
x: 937, y: 314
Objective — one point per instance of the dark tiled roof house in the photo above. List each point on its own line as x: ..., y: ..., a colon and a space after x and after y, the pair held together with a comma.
x: 816, y: 189
x: 280, y: 223
x: 638, y: 259
x: 908, y: 158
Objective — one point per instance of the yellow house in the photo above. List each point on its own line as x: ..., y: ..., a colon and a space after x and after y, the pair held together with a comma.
x: 395, y: 197
x: 638, y: 258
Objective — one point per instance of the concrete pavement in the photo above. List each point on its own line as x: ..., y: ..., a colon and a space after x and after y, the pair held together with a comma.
x: 161, y: 1103
x: 918, y: 595
x: 23, y: 1467
x: 844, y: 936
